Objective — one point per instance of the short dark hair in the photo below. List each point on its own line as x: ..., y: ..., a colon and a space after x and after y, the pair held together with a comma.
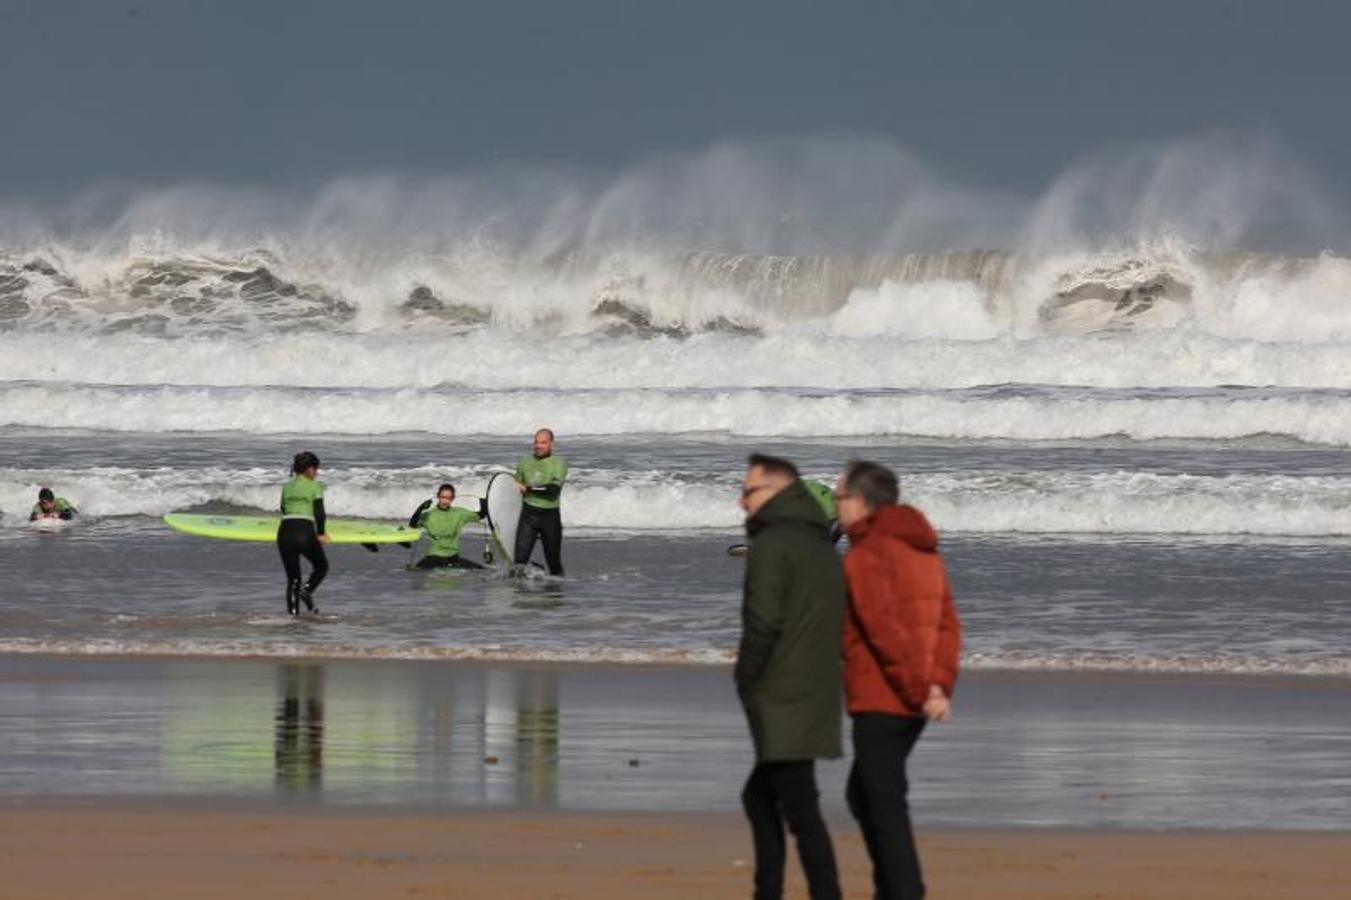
x: 773, y: 465
x: 46, y: 494
x: 304, y: 460
x: 446, y: 487
x: 875, y: 483
x: 548, y: 431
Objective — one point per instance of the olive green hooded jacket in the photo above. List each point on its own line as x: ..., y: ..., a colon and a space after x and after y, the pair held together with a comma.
x: 788, y: 669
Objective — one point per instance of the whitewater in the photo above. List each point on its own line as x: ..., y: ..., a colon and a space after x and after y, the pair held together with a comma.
x: 1127, y: 412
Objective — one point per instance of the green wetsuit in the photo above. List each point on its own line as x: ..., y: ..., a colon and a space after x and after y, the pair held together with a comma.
x: 824, y: 496
x: 60, y: 506
x: 299, y: 497
x: 443, y: 527
x: 543, y: 480
x: 302, y: 522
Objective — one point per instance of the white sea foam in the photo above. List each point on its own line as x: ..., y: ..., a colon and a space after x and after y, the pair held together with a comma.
x: 1067, y: 661
x: 806, y: 355
x: 972, y: 502
x: 1312, y: 417
x: 930, y: 310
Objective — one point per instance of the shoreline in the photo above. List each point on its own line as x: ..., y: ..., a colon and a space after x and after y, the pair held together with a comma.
x: 489, y: 658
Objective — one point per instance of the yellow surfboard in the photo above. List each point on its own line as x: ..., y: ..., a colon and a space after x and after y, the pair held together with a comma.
x: 264, y: 528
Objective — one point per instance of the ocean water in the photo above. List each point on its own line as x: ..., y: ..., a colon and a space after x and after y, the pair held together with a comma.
x: 1137, y: 458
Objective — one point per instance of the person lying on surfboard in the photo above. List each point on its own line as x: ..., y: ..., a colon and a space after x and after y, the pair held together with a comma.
x: 442, y: 524
x: 50, y: 506
x: 302, y: 532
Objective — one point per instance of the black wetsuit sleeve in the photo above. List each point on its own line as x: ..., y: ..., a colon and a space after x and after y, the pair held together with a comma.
x: 319, y: 516
x: 417, y: 513
x: 68, y: 513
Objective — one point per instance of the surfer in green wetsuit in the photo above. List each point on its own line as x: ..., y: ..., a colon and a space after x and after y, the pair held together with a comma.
x: 540, y: 477
x: 302, y: 532
x: 824, y: 495
x: 50, y: 506
x: 443, y: 523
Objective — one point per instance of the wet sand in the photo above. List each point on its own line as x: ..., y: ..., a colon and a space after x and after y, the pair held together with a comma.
x: 323, y: 778
x: 1025, y: 750
x: 116, y: 850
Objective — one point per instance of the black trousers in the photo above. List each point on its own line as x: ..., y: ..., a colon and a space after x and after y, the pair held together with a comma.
x: 877, y: 795
x: 778, y: 792
x: 447, y: 562
x: 297, y: 538
x: 547, y: 526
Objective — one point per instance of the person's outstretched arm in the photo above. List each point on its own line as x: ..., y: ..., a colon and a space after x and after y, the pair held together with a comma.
x: 416, y: 518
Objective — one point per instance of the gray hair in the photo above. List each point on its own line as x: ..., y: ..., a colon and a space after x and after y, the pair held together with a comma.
x: 875, y: 483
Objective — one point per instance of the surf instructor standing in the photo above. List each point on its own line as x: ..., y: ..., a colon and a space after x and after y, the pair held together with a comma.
x: 540, y: 477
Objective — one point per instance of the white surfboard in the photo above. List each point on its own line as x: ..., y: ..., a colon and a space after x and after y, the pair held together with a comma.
x: 504, y: 513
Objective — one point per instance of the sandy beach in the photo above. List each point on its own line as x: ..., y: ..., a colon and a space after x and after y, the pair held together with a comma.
x: 129, y: 851
x: 216, y: 778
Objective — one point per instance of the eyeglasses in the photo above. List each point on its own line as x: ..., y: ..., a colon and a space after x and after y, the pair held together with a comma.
x: 746, y: 493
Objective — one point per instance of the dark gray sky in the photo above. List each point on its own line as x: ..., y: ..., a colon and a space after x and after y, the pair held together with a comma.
x: 1004, y: 94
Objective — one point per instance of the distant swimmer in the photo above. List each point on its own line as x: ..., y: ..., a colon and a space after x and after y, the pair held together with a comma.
x: 443, y: 524
x: 50, y: 506
x: 302, y: 532
x: 541, y: 478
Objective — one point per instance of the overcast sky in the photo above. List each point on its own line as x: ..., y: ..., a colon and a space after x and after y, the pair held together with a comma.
x: 1003, y: 94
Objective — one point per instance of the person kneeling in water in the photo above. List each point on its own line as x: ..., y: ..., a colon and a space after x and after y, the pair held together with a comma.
x: 443, y: 524
x: 50, y: 506
x: 302, y: 532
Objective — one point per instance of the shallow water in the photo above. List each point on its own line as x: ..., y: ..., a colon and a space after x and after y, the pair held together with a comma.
x: 648, y: 576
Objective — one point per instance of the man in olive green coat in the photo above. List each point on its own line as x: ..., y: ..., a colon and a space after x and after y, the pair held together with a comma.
x: 788, y: 672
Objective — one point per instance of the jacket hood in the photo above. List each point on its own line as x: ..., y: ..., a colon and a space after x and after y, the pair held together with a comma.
x: 792, y: 504
x: 902, y: 522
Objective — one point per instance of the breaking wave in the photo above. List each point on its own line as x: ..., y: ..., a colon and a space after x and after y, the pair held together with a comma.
x: 1020, y: 414
x: 999, y: 502
x: 958, y: 296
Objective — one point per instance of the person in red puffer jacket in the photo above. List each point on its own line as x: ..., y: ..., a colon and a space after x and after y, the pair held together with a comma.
x: 901, y: 643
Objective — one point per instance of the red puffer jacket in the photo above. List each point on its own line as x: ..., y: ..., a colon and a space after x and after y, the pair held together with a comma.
x: 901, y: 632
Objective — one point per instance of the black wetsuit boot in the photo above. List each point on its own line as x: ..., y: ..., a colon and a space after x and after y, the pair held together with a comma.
x: 307, y: 595
x: 293, y: 593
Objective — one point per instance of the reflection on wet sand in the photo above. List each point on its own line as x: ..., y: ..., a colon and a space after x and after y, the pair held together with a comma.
x: 461, y: 735
x: 299, y: 745
x: 521, y: 731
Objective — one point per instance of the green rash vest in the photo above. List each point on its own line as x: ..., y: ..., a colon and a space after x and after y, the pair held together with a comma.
x: 533, y: 472
x: 443, y: 527
x: 59, y: 505
x: 824, y: 495
x: 298, y: 496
